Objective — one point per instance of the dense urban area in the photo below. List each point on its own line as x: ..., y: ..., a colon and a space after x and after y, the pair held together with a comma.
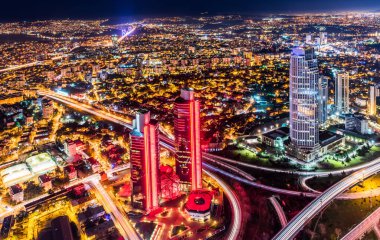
x: 207, y: 127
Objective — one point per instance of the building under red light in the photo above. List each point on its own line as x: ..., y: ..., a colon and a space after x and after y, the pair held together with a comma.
x: 198, y: 204
x: 169, y: 183
x: 145, y: 162
x: 187, y: 140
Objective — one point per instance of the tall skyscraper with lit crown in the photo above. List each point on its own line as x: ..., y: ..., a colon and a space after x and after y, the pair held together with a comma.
x: 144, y: 158
x: 303, y: 99
x: 188, y: 140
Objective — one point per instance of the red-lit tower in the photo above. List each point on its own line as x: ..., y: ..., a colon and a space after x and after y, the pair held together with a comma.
x: 187, y: 140
x: 145, y: 161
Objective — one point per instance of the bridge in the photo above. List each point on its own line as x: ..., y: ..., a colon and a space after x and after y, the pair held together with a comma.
x: 294, y: 226
x: 126, y: 34
x: 280, y: 212
x: 323, y: 200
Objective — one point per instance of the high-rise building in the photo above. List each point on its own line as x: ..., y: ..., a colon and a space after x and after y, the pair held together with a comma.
x: 47, y: 109
x: 308, y: 39
x: 115, y: 42
x: 187, y: 140
x: 356, y: 122
x: 342, y: 93
x: 144, y: 158
x: 323, y: 98
x: 303, y: 99
x: 323, y: 37
x: 317, y: 41
x: 372, y: 95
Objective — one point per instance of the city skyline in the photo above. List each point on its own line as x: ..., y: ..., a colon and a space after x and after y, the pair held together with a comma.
x: 205, y: 120
x: 44, y: 10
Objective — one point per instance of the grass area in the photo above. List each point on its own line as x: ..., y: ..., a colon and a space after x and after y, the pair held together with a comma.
x: 322, y: 183
x: 265, y: 160
x: 340, y: 216
x: 249, y: 156
x: 336, y: 164
x: 331, y: 163
x: 370, y: 183
x: 268, y: 160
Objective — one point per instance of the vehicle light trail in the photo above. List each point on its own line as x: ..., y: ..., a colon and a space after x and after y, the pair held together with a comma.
x: 313, y: 208
x: 165, y: 142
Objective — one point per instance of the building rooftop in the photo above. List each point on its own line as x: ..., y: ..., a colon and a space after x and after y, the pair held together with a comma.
x: 199, y: 201
x: 90, y: 212
x: 327, y: 137
x: 282, y: 132
x: 60, y: 230
x: 44, y: 178
x: 16, y: 189
x: 69, y: 168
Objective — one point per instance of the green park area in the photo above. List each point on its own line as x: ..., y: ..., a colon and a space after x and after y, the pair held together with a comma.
x: 260, y: 159
x: 341, y: 159
x: 362, y: 156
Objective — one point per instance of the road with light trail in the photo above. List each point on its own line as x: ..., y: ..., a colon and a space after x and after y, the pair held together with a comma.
x: 323, y: 200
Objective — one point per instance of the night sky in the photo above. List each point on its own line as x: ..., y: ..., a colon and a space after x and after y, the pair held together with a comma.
x: 52, y: 9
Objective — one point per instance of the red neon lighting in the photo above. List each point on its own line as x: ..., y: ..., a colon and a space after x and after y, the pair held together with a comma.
x: 192, y: 147
x: 196, y: 164
x: 154, y: 167
x: 147, y: 168
x: 198, y: 157
x: 199, y: 201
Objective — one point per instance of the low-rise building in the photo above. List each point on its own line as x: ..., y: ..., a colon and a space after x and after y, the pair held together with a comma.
x: 356, y: 122
x: 276, y: 138
x: 71, y: 172
x: 60, y: 230
x: 47, y: 109
x: 198, y: 205
x: 95, y: 165
x: 91, y: 213
x: 17, y: 193
x: 328, y: 142
x: 45, y: 182
x: 72, y: 148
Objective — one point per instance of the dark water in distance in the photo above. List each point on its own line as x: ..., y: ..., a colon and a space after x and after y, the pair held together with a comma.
x: 7, y: 38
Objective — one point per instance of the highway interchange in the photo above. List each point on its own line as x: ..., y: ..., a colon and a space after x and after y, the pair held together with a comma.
x: 234, y: 230
x: 294, y: 225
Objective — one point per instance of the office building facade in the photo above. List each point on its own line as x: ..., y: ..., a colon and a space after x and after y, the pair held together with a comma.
x: 188, y: 140
x: 144, y: 158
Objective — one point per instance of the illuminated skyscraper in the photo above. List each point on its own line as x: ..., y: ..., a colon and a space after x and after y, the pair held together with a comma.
x: 308, y: 39
x: 342, y: 93
x: 144, y: 157
x: 303, y: 99
x: 115, y: 43
x: 187, y: 140
x: 323, y: 37
x: 372, y: 94
x: 323, y: 98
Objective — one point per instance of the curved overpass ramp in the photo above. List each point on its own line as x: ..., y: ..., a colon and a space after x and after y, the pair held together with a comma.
x: 313, y: 208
